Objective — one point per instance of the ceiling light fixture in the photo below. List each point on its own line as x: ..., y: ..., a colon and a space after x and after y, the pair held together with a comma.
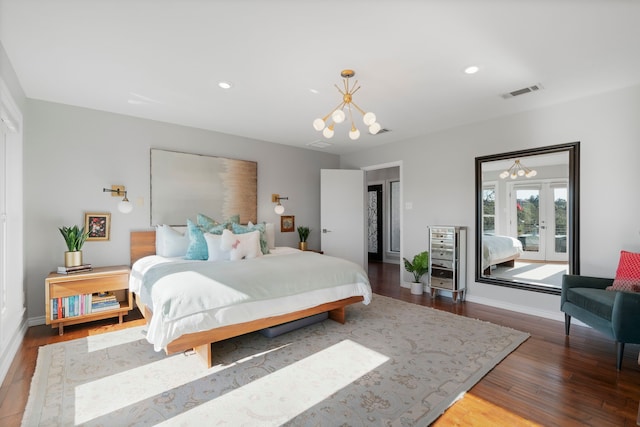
x: 338, y: 114
x: 518, y: 169
x: 225, y: 85
x: 472, y: 69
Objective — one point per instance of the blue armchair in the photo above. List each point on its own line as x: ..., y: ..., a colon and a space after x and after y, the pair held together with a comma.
x: 614, y: 313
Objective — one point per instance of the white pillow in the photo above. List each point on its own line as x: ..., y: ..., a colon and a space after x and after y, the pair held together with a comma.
x: 215, y: 250
x: 270, y: 231
x: 241, y: 246
x: 171, y: 242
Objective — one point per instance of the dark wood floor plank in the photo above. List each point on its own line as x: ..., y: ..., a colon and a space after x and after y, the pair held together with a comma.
x: 550, y: 380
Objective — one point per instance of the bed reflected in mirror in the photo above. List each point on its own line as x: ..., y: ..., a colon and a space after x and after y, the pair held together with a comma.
x: 526, y: 217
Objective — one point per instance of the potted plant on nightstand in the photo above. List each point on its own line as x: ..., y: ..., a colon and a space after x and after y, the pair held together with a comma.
x: 303, y: 232
x: 419, y: 267
x: 74, y: 237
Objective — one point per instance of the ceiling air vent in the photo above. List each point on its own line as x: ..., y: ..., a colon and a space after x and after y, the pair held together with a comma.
x: 522, y: 91
x: 319, y: 144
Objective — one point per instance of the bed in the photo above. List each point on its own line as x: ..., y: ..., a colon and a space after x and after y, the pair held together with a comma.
x: 192, y: 304
x: 499, y: 250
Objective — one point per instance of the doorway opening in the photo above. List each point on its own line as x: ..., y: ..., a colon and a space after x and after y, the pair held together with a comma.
x: 383, y: 214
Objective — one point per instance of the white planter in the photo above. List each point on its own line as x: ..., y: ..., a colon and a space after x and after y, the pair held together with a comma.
x: 417, y: 288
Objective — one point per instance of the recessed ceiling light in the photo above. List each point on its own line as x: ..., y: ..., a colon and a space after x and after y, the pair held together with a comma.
x: 314, y: 91
x: 472, y: 69
x: 225, y: 85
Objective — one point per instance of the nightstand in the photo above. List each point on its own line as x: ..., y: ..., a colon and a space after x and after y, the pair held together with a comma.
x: 77, y: 288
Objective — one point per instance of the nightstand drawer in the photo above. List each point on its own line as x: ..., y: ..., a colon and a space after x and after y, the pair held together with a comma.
x: 89, y: 286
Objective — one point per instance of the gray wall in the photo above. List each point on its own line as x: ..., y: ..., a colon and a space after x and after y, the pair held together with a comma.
x: 11, y: 79
x: 438, y: 179
x: 72, y: 153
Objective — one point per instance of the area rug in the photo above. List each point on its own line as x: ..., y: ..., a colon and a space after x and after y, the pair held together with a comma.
x: 392, y: 364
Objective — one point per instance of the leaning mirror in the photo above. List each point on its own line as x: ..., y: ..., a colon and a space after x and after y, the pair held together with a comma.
x: 527, y: 217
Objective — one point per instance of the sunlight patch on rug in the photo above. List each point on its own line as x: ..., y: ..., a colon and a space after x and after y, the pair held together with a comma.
x: 280, y: 396
x: 152, y: 381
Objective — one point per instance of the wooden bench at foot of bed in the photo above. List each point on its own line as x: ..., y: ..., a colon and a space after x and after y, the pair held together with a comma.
x: 201, y: 342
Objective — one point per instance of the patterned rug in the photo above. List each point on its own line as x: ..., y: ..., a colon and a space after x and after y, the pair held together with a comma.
x: 392, y: 364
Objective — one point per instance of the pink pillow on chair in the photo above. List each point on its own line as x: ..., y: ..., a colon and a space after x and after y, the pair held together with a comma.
x: 628, y: 273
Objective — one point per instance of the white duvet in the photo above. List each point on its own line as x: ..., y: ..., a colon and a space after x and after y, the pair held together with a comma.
x: 192, y: 296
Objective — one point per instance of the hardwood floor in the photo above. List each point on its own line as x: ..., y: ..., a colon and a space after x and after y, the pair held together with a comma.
x: 550, y: 380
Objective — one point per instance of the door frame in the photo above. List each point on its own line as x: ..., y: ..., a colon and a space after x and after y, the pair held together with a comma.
x: 397, y: 163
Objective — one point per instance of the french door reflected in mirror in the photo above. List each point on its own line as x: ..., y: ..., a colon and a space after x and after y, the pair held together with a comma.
x: 539, y: 212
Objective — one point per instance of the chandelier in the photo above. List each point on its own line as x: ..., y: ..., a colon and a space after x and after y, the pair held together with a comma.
x: 338, y: 114
x: 518, y: 169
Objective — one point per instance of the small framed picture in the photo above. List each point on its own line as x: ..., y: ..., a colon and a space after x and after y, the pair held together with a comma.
x: 98, y: 225
x: 287, y: 223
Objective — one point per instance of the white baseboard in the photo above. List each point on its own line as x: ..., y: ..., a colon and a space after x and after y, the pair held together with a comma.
x: 7, y: 355
x: 552, y: 315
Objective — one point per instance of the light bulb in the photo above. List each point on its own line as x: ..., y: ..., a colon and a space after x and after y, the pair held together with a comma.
x: 514, y: 175
x: 354, y: 134
x: 318, y: 124
x: 328, y: 132
x: 374, y: 128
x: 369, y: 119
x: 520, y: 172
x: 338, y: 116
x: 279, y: 209
x: 125, y: 206
x: 504, y: 174
x: 531, y: 173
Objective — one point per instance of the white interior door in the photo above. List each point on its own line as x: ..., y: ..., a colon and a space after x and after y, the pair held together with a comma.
x: 342, y: 214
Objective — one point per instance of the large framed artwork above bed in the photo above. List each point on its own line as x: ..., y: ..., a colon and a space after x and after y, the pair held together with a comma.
x: 183, y: 184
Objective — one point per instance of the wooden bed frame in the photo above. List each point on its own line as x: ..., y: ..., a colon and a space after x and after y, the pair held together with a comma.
x: 143, y: 243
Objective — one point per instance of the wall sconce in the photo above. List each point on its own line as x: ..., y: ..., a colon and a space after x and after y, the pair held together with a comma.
x: 275, y: 198
x: 124, y: 205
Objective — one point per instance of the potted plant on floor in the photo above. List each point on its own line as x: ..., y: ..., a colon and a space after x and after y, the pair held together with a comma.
x: 303, y: 232
x: 418, y: 267
x: 74, y: 237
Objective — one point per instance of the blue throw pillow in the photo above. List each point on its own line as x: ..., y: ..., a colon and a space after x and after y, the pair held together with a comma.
x: 214, y: 227
x: 197, y: 244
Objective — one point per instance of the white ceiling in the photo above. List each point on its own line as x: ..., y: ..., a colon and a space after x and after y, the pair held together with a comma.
x: 162, y: 60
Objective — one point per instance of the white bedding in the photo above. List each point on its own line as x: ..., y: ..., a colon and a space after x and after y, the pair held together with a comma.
x: 179, y: 305
x: 497, y: 249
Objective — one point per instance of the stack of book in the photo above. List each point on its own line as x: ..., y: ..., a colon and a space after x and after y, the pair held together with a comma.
x: 71, y: 306
x: 104, y: 301
x: 77, y: 269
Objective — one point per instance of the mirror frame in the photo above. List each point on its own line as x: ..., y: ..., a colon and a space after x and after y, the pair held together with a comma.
x: 573, y: 222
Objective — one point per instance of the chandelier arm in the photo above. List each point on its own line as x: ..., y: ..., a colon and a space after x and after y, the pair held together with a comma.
x: 353, y: 125
x: 339, y: 90
x: 359, y: 109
